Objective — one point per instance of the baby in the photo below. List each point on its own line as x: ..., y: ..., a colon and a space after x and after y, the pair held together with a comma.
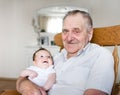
x: 42, y: 73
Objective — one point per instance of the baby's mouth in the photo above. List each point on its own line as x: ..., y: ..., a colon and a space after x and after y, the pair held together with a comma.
x: 45, y: 62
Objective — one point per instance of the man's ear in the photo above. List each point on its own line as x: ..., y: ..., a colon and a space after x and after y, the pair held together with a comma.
x: 90, y: 35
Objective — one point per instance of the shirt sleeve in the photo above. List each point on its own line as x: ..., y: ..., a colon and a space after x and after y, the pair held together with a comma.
x: 101, y: 76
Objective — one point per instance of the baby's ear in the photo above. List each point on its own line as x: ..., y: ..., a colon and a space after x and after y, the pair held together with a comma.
x: 34, y: 62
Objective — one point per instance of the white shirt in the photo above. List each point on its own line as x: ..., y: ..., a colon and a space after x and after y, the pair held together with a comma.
x: 92, y: 67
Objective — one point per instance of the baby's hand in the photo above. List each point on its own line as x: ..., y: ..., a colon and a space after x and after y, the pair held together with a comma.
x: 28, y: 73
x: 33, y: 75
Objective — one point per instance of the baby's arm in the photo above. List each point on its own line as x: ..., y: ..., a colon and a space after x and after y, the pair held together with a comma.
x: 28, y: 73
x: 50, y: 81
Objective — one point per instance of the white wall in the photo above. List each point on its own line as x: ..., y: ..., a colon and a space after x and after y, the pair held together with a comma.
x: 16, y: 31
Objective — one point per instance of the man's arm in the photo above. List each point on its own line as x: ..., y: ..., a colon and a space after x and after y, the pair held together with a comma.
x: 94, y: 92
x: 26, y: 87
x: 50, y: 81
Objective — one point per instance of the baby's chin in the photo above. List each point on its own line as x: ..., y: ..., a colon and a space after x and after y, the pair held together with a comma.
x: 44, y: 66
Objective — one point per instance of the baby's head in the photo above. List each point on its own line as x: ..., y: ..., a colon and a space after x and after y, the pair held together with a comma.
x: 42, y: 58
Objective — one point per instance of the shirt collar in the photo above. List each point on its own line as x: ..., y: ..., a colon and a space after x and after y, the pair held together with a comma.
x: 64, y: 52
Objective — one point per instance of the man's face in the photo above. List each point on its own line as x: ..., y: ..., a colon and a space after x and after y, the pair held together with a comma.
x: 75, y: 35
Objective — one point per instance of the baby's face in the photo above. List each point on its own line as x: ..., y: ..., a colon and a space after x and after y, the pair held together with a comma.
x: 43, y: 59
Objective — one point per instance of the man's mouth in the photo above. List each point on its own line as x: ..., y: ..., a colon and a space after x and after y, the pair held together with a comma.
x: 71, y: 42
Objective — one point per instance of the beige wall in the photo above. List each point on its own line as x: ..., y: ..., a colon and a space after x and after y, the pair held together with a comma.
x: 16, y: 31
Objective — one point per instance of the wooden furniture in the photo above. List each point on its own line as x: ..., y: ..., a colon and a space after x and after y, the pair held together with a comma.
x: 105, y: 36
x: 8, y: 86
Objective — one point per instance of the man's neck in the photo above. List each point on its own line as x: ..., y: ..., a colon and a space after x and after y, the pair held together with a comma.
x: 69, y: 55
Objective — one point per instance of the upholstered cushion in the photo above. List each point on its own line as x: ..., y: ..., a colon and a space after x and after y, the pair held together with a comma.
x: 106, y: 36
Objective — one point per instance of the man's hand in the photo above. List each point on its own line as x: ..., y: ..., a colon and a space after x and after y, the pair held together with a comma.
x: 26, y: 87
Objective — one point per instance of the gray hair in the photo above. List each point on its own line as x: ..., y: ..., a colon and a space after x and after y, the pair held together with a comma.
x: 86, y: 15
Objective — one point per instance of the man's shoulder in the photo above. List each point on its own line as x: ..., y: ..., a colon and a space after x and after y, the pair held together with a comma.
x: 100, y: 49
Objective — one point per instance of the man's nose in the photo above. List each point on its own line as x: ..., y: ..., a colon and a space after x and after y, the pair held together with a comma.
x: 70, y: 36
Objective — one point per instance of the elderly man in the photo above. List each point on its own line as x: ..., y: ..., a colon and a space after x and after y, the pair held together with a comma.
x: 82, y: 68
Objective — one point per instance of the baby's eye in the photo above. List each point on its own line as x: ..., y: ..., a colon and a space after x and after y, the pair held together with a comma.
x: 48, y: 56
x: 41, y: 56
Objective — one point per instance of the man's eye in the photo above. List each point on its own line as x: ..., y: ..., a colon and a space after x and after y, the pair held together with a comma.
x: 64, y: 31
x: 76, y: 31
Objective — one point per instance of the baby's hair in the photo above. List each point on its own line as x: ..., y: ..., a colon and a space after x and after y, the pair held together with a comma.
x: 40, y: 50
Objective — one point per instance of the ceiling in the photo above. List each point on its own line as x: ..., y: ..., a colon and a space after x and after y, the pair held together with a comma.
x: 58, y: 10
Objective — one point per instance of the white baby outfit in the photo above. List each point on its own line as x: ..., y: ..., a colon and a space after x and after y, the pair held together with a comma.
x: 43, y: 74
